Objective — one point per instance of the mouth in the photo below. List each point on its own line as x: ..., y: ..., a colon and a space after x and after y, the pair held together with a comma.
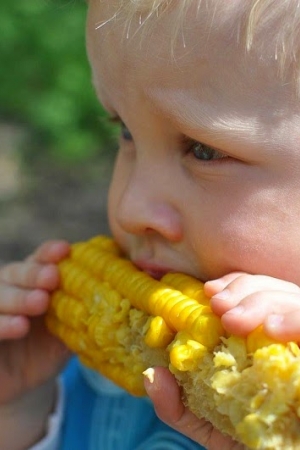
x: 155, y: 271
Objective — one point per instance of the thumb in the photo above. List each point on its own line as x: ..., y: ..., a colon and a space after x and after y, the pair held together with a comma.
x: 165, y: 394
x: 163, y: 390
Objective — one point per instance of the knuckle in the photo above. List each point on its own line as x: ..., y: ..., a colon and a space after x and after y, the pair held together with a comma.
x: 12, y: 300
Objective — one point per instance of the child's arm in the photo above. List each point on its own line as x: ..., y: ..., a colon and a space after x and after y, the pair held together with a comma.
x: 246, y: 301
x: 30, y: 357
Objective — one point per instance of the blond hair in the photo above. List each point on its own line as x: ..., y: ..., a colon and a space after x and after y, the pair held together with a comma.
x: 281, y: 17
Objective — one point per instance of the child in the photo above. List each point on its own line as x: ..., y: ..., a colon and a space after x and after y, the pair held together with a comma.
x: 206, y: 182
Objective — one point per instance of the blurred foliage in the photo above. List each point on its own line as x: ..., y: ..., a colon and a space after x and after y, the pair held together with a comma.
x: 45, y: 81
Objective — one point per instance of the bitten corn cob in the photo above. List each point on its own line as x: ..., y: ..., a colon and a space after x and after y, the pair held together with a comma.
x: 120, y: 321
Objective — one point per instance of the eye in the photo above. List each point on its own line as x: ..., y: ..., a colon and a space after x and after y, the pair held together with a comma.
x: 205, y: 153
x: 125, y: 133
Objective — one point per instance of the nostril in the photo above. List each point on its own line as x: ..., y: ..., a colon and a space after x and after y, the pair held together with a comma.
x: 149, y: 217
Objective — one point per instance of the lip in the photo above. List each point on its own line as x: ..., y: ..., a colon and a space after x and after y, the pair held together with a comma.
x: 154, y: 270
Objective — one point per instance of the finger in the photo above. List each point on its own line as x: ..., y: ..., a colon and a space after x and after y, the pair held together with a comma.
x: 30, y: 275
x: 284, y: 327
x: 50, y: 252
x: 15, y: 301
x: 212, y: 287
x: 254, y: 309
x: 13, y: 327
x: 243, y: 286
x: 165, y: 393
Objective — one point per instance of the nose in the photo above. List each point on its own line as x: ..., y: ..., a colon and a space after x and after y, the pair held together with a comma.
x: 148, y: 205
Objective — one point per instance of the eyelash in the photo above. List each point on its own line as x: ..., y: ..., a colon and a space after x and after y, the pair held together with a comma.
x: 208, y: 153
x: 190, y: 144
x: 123, y: 128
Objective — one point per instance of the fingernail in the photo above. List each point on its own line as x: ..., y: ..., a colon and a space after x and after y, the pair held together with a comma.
x: 217, y: 283
x: 223, y: 295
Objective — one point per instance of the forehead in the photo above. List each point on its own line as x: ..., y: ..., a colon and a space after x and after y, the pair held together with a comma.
x: 173, y: 33
x: 166, y: 43
x: 202, y: 51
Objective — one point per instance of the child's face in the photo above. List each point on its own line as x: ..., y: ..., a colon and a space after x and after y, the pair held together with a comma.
x: 229, y: 203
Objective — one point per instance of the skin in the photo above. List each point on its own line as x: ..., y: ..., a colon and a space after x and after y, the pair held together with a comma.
x: 30, y: 357
x: 172, y: 209
x: 206, y: 182
x: 231, y: 207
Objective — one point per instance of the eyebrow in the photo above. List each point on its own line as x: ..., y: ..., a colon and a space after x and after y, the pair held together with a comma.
x: 199, y: 120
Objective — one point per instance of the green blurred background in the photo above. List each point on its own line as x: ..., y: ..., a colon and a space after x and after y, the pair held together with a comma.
x: 56, y: 148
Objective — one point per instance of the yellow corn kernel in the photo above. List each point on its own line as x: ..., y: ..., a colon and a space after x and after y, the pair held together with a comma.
x: 186, y: 353
x: 188, y: 285
x: 252, y: 429
x: 69, y: 310
x: 110, y: 301
x: 120, y: 322
x: 158, y: 334
x: 258, y: 339
x: 149, y: 295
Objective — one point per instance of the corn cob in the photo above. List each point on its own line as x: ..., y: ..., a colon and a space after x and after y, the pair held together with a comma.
x: 120, y: 321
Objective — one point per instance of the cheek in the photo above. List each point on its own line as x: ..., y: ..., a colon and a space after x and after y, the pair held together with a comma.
x: 117, y: 186
x: 111, y: 206
x: 243, y: 245
x: 231, y: 246
x: 114, y: 194
x: 254, y: 240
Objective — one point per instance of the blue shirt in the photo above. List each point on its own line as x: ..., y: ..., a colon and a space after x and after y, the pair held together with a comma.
x: 101, y: 416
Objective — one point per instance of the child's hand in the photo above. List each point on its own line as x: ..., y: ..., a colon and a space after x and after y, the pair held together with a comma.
x: 29, y: 354
x: 247, y: 301
x: 244, y: 302
x: 165, y: 395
